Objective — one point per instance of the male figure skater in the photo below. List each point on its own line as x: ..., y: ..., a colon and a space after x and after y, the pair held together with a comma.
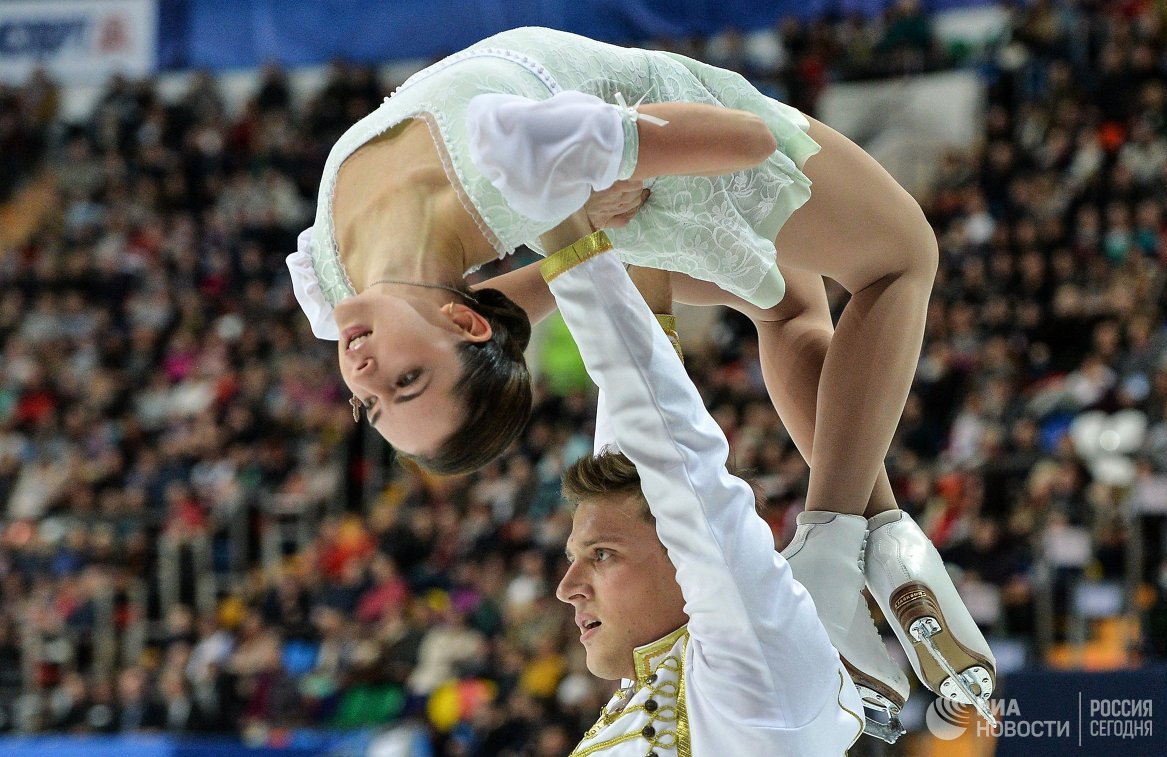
x: 675, y: 582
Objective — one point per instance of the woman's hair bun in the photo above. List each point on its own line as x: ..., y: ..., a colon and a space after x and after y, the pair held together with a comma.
x: 505, y: 316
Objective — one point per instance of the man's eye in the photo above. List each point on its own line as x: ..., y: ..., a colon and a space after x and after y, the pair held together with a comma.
x: 408, y: 378
x: 601, y: 555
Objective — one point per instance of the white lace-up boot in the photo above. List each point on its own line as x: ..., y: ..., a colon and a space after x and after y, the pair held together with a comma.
x: 907, y: 578
x: 826, y: 556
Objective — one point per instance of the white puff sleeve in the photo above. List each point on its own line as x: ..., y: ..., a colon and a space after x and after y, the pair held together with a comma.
x: 547, y: 156
x: 307, y: 289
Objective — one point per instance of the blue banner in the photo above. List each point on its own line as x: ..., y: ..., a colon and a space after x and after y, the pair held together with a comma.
x: 301, y: 744
x: 221, y: 34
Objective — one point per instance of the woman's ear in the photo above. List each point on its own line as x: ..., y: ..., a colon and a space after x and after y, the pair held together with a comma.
x: 473, y: 326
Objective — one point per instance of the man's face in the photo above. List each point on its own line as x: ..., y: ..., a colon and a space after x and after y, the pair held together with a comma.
x: 620, y: 582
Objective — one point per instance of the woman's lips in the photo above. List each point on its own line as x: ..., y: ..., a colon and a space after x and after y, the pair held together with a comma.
x: 352, y: 332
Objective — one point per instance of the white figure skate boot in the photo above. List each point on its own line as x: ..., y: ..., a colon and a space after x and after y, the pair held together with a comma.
x: 826, y: 557
x: 907, y: 578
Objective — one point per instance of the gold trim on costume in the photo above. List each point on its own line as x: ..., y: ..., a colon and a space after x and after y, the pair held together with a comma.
x: 684, y: 746
x: 861, y: 720
x: 643, y: 655
x: 655, y: 669
x: 606, y: 744
x: 575, y: 253
x: 668, y: 322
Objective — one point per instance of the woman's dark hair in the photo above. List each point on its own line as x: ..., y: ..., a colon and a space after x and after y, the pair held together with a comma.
x: 495, y: 387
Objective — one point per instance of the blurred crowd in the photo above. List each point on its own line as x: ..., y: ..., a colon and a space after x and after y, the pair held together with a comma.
x: 26, y: 115
x: 195, y: 537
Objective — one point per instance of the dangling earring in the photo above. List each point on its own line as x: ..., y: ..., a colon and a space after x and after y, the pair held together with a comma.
x: 357, y: 407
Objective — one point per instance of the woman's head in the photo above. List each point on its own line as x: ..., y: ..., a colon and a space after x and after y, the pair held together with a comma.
x: 444, y: 382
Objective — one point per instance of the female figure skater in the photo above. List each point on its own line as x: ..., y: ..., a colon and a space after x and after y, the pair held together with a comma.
x: 504, y: 144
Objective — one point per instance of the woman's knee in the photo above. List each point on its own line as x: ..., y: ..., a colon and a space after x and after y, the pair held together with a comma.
x: 924, y: 251
x: 794, y: 313
x: 908, y: 248
x: 805, y: 303
x: 860, y: 226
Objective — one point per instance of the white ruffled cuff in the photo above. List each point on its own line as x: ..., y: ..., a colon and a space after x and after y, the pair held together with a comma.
x: 307, y: 289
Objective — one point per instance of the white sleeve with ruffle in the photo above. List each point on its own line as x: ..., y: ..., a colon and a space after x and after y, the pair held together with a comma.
x: 546, y: 157
x: 307, y: 289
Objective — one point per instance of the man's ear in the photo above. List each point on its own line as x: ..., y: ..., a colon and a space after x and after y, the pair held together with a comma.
x: 469, y: 322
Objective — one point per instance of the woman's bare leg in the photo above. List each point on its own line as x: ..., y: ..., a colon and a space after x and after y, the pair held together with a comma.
x: 863, y: 230
x: 866, y: 232
x: 793, y: 338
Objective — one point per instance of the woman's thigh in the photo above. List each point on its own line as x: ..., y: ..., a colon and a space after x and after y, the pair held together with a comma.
x: 805, y: 297
x: 859, y: 224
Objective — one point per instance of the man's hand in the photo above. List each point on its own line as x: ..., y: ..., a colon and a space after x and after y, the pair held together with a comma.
x: 615, y: 206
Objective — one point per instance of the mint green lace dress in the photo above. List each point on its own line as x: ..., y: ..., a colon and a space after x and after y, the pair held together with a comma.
x: 718, y: 228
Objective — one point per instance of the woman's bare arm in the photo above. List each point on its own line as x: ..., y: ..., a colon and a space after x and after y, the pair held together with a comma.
x: 700, y: 140
x: 527, y: 288
x: 610, y: 208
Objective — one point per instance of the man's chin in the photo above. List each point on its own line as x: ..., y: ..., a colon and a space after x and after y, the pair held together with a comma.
x: 605, y: 669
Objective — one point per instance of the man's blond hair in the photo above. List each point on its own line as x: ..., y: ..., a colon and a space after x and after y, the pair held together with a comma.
x: 604, y: 475
x: 613, y: 474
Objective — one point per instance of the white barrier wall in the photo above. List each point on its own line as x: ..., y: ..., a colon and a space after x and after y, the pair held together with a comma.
x: 906, y: 124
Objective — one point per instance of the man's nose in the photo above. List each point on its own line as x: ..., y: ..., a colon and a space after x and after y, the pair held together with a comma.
x: 570, y: 585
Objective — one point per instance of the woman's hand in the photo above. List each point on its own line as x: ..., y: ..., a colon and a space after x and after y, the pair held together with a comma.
x: 608, y: 208
x: 615, y: 206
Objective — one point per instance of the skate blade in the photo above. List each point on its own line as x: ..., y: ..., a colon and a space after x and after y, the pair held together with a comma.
x: 914, y: 603
x: 875, y: 694
x: 888, y: 732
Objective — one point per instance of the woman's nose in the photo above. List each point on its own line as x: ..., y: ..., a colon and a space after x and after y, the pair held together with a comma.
x: 358, y: 363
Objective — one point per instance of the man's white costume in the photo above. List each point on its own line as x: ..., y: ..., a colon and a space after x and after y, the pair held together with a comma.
x: 753, y: 673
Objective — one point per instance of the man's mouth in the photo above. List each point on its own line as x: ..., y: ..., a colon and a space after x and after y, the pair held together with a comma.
x: 588, y: 627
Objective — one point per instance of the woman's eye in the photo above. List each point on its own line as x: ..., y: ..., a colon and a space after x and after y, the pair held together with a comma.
x: 408, y: 378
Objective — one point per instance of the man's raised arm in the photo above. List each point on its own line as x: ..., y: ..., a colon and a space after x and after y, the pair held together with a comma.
x: 754, y: 626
